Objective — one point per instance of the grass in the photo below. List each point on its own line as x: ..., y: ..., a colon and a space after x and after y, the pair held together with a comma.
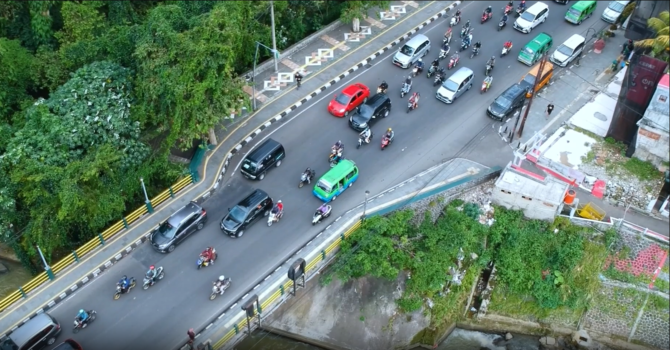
x: 657, y: 303
x: 643, y: 170
x: 620, y: 303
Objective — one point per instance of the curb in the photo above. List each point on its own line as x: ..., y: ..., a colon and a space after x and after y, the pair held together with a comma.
x: 238, y: 147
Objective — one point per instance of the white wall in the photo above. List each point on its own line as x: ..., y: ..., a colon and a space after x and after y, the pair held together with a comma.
x: 532, y: 208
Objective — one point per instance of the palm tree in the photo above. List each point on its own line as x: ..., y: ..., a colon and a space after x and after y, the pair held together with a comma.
x: 659, y: 44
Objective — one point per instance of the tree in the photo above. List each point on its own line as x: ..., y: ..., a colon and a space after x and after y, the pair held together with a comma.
x: 67, y: 160
x: 659, y: 44
x: 81, y: 21
x: 16, y: 64
x: 360, y: 9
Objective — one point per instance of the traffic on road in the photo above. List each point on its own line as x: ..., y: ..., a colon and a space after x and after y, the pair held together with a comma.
x: 450, y: 121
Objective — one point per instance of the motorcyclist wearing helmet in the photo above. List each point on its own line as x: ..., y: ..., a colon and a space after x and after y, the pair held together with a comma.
x: 467, y: 24
x: 408, y: 80
x: 124, y: 283
x: 510, y: 4
x: 445, y: 47
x: 504, y: 18
x: 384, y: 86
x: 414, y: 100
x: 389, y: 133
x: 508, y: 44
x: 219, y: 284
x: 522, y: 5
x: 278, y: 209
x: 458, y: 14
x: 308, y: 171
x: 338, y: 147
x: 82, y: 316
x: 322, y: 210
x: 435, y: 64
x: 467, y: 41
x: 488, y: 11
x: 366, y: 134
x: 419, y: 65
x: 492, y: 61
x: 151, y: 274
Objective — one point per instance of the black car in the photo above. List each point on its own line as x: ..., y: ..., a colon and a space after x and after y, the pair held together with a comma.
x: 510, y: 100
x: 178, y: 227
x: 377, y: 107
x: 253, y: 207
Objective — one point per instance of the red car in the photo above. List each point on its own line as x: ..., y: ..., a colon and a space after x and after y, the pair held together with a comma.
x: 351, y: 97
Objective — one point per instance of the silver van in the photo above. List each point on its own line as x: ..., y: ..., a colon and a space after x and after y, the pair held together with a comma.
x: 568, y: 51
x: 414, y: 49
x: 532, y: 17
x: 38, y: 333
x: 456, y: 85
x: 614, y: 10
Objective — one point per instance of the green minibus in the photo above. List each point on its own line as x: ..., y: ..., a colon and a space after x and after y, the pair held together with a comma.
x: 580, y: 11
x: 336, y: 180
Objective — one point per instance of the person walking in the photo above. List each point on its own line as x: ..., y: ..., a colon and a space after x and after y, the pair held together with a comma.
x: 191, y: 337
x: 550, y: 108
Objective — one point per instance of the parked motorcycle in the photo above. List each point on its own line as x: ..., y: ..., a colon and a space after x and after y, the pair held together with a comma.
x: 202, y: 262
x: 405, y: 89
x: 486, y: 84
x: 439, y: 77
x: 361, y: 139
x: 505, y: 50
x: 148, y: 281
x: 453, y: 61
x: 305, y: 178
x: 501, y: 25
x: 386, y: 141
x: 81, y: 325
x: 318, y: 215
x: 120, y: 290
x: 272, y: 218
x: 219, y: 287
x: 475, y: 52
x: 486, y: 16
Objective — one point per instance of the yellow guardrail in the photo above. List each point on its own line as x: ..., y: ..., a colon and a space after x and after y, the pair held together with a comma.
x: 274, y: 297
x: 110, y: 232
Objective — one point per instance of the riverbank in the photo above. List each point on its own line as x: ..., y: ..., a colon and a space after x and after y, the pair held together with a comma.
x: 15, y: 277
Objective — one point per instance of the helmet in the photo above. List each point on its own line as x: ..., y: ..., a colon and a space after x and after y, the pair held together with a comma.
x: 493, y: 58
x: 389, y: 130
x: 383, y: 82
x: 489, y: 8
x: 81, y: 311
x: 152, y: 267
x: 279, y: 201
x: 420, y: 60
x: 221, y: 278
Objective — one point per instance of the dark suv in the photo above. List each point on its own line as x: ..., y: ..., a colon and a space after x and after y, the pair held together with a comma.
x: 178, y: 227
x: 377, y: 107
x: 510, y: 100
x: 255, y: 206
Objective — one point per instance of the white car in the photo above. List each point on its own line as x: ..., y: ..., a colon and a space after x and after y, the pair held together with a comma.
x: 614, y: 10
x: 532, y: 17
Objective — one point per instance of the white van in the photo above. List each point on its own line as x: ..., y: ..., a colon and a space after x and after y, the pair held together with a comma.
x: 532, y: 17
x: 409, y: 53
x: 568, y: 51
x: 614, y: 10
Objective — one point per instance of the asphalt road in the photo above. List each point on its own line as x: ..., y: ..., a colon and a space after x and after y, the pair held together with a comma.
x: 159, y: 317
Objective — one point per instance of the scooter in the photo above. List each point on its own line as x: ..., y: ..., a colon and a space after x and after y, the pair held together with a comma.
x: 405, y: 89
x: 416, y: 71
x: 272, y: 218
x: 486, y: 16
x: 386, y: 141
x: 507, y: 9
x: 475, y: 52
x: 431, y: 71
x: 380, y: 90
x: 361, y: 139
x: 304, y: 178
x: 454, y: 21
x: 519, y: 11
x: 443, y: 53
x: 81, y: 325
x: 447, y: 37
x: 119, y: 289
x: 501, y: 25
x: 216, y: 289
x: 439, y: 77
x: 334, y: 158
x: 464, y: 45
x: 201, y: 260
x: 453, y: 61
x: 486, y: 84
x: 410, y: 106
x: 318, y: 215
x: 148, y: 282
x: 505, y: 50
x: 487, y: 71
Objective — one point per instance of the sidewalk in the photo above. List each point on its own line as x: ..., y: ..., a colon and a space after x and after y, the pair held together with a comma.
x: 239, y: 133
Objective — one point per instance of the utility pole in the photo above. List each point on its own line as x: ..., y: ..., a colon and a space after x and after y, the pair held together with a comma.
x: 274, y: 39
x: 543, y: 60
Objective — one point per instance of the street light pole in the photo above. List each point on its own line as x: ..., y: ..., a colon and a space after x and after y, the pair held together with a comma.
x: 274, y: 39
x: 47, y: 268
x: 147, y: 202
x: 365, y: 204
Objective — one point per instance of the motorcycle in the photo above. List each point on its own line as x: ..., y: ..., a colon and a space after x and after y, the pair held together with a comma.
x: 386, y: 141
x: 454, y: 21
x: 488, y: 69
x: 439, y: 77
x: 410, y: 106
x: 447, y: 37
x: 120, y: 290
x: 405, y: 89
x: 443, y: 53
x: 486, y: 84
x: 486, y: 16
x: 475, y: 52
x: 201, y: 260
x: 464, y: 45
x: 306, y: 178
x: 81, y: 325
x: 519, y: 11
x: 318, y: 215
x: 216, y: 289
x: 416, y: 70
x: 361, y: 139
x: 432, y: 70
x: 505, y: 50
x: 501, y: 25
x: 453, y: 61
x: 272, y: 218
x: 148, y: 281
x: 334, y: 158
x: 507, y: 10
x: 465, y: 31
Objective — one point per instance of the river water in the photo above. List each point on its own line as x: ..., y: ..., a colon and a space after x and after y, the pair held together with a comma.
x: 15, y: 278
x: 459, y: 339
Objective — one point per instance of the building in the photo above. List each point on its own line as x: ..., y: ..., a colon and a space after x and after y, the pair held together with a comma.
x: 538, y: 197
x: 637, y: 29
x: 653, y: 140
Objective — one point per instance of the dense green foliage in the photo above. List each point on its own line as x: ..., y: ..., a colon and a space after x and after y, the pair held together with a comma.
x: 94, y: 94
x: 545, y: 267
